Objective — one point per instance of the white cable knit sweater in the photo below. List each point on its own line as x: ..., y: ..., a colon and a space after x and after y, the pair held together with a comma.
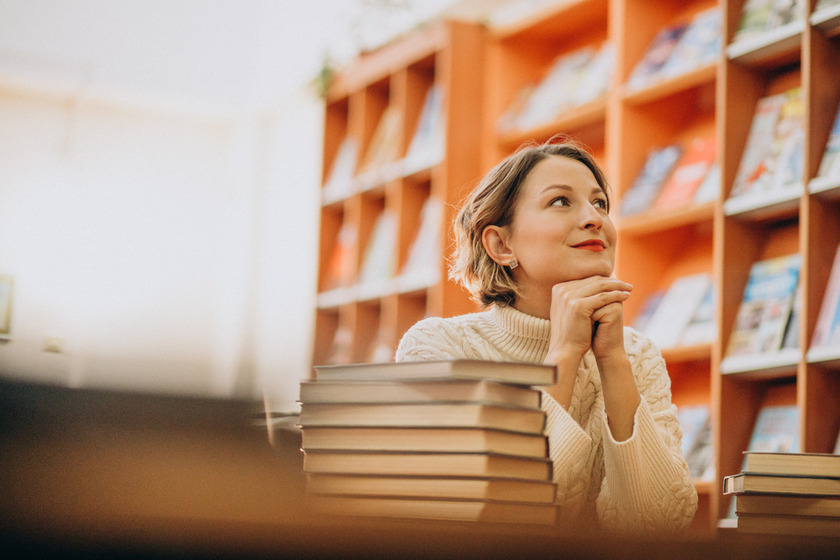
x: 638, y: 484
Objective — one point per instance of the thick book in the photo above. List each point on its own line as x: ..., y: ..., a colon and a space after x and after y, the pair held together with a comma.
x: 506, y: 372
x: 775, y: 504
x: 745, y: 482
x: 827, y: 329
x: 810, y: 464
x: 430, y: 414
x: 442, y: 510
x: 424, y: 439
x: 428, y: 464
x: 496, y: 489
x: 419, y: 391
x: 811, y: 526
x: 765, y: 308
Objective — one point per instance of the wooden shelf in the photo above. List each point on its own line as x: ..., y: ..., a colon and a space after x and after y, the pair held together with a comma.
x: 481, y: 71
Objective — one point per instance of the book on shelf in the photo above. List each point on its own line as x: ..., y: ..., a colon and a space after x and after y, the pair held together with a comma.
x: 689, y: 172
x: 648, y: 183
x: 649, y: 68
x: 792, y: 464
x: 760, y: 16
x: 791, y: 337
x: 574, y: 79
x: 379, y: 260
x: 773, y: 158
x: 698, y: 45
x: 765, y: 308
x: 427, y: 144
x: 383, y: 148
x: 427, y: 464
x: 642, y: 318
x: 339, y: 181
x: 830, y: 162
x: 447, y: 510
x: 419, y: 391
x: 709, y: 188
x: 506, y: 372
x: 812, y: 526
x: 776, y: 430
x: 435, y: 414
x: 827, y: 328
x: 339, y: 271
x: 472, y: 488
x: 676, y: 309
x: 696, y: 440
x: 701, y: 329
x: 426, y: 247
x: 424, y: 439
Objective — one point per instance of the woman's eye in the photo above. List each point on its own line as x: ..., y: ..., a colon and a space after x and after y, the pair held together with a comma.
x: 601, y: 203
x: 560, y: 201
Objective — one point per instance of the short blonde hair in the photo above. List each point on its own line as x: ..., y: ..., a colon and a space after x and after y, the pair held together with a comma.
x: 493, y: 202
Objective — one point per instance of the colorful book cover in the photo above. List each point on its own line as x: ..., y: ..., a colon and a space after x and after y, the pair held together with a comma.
x: 786, y: 160
x: 776, y: 430
x: 698, y: 46
x: 689, y: 173
x: 755, y: 19
x: 702, y: 328
x: 647, y: 310
x: 656, y: 55
x: 830, y: 163
x: 765, y: 307
x: 677, y: 308
x: 650, y: 180
x: 752, y: 168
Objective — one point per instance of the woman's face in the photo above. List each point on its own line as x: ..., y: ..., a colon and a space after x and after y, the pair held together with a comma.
x: 561, y: 230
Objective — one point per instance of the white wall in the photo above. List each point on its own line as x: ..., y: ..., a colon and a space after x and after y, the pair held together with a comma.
x: 159, y: 168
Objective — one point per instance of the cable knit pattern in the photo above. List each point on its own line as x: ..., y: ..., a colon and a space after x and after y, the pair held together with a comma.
x: 641, y: 484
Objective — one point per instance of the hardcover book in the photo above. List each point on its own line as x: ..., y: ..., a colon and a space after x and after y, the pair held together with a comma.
x: 506, y: 372
x: 745, y: 482
x: 792, y: 464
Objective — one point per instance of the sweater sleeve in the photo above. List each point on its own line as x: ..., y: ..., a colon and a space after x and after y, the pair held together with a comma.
x: 646, y: 483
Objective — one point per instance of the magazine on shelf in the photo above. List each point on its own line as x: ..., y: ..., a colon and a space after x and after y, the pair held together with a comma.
x: 649, y: 306
x: 827, y: 328
x: 383, y: 148
x: 696, y: 441
x: 760, y: 16
x: 676, y: 310
x: 427, y: 145
x: 698, y: 46
x: 380, y: 252
x: 776, y: 430
x: 765, y: 307
x: 690, y: 171
x: 702, y: 328
x: 339, y: 180
x: 830, y: 163
x: 648, y: 69
x: 420, y: 266
x: 648, y: 184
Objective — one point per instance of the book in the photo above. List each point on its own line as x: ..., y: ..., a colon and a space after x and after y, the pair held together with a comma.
x: 419, y: 391
x: 425, y: 439
x: 383, y: 147
x: 648, y: 183
x: 745, y: 482
x: 760, y: 16
x: 700, y: 457
x: 427, y: 464
x: 379, y: 259
x: 430, y: 414
x: 696, y: 438
x: 506, y: 372
x: 787, y: 153
x: 425, y: 249
x: 340, y: 176
x: 808, y: 464
x: 776, y: 430
x: 428, y: 142
x: 677, y: 308
x: 827, y: 328
x: 698, y: 46
x: 830, y: 162
x: 648, y: 69
x: 775, y: 504
x: 447, y: 510
x: 689, y: 172
x: 701, y: 329
x: 649, y: 306
x: 754, y: 160
x: 765, y: 307
x: 496, y: 489
x: 789, y: 525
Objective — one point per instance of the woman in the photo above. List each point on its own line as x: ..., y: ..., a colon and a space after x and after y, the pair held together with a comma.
x: 535, y: 245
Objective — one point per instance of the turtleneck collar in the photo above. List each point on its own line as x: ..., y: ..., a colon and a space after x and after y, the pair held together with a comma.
x: 521, y: 336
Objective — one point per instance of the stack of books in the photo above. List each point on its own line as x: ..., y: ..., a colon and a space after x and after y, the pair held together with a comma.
x: 787, y: 493
x: 459, y: 440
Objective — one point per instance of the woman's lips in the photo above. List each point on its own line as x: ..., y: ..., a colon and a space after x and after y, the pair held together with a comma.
x: 593, y: 245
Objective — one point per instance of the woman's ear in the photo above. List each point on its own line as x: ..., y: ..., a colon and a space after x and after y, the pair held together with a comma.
x: 494, y: 239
